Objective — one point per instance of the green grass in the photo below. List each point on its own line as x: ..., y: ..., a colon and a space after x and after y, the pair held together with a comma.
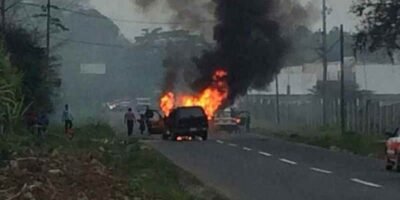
x: 331, y: 138
x: 150, y: 175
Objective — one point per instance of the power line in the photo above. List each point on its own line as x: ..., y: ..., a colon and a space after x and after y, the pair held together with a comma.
x: 116, y: 19
x: 29, y: 17
x: 91, y: 43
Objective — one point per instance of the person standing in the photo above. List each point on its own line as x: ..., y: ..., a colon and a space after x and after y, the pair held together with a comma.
x: 43, y: 123
x: 130, y: 121
x: 67, y: 119
x: 142, y: 124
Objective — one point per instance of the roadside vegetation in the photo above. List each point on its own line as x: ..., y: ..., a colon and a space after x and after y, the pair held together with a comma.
x: 94, y: 165
x: 371, y: 145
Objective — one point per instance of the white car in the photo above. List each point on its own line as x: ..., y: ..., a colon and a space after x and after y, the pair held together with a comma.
x: 225, y: 121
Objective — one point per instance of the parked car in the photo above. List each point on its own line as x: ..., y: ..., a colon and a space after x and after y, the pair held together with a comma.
x: 226, y: 120
x: 392, y: 150
x: 186, y: 122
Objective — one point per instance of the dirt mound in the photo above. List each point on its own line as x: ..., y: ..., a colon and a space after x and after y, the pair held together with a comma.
x: 60, y: 177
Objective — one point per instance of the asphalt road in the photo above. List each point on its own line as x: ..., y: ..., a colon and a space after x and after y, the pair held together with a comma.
x: 250, y: 167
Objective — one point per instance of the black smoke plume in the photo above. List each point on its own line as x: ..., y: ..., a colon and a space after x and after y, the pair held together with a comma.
x: 252, y: 38
x: 250, y: 46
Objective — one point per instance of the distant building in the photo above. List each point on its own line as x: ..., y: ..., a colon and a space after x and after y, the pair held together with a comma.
x: 299, y: 80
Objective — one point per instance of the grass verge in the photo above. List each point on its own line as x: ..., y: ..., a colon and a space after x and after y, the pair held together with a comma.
x: 148, y: 174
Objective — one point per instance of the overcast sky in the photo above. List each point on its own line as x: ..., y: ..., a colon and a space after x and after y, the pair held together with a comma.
x: 126, y: 10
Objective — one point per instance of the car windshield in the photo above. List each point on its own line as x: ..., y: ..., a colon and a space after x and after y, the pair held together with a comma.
x: 191, y: 113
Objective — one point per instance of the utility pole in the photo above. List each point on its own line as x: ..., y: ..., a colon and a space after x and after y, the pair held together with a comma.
x: 342, y: 88
x: 48, y: 32
x: 325, y: 64
x: 278, y: 114
x: 3, y: 15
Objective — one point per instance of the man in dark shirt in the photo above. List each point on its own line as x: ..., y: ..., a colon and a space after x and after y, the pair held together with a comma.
x: 129, y: 121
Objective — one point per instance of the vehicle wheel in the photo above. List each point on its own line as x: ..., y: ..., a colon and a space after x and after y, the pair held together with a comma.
x: 205, y: 136
x: 397, y: 164
x: 389, y: 164
x: 174, y: 137
x: 165, y: 137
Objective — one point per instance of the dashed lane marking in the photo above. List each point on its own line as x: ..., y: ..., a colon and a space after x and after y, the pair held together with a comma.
x: 233, y: 145
x: 220, y: 142
x: 320, y: 170
x: 288, y: 161
x: 265, y: 153
x: 247, y: 149
x: 365, y: 183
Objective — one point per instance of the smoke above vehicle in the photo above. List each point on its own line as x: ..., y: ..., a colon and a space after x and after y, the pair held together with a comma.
x: 249, y: 46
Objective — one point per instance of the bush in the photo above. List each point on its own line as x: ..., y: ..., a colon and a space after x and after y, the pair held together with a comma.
x: 11, y: 98
x: 27, y: 56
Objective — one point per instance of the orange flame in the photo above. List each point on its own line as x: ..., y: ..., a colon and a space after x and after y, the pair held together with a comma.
x: 167, y: 103
x: 210, y: 99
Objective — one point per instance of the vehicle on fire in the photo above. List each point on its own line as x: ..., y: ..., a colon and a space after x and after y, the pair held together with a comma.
x: 186, y: 122
x: 156, y: 124
x: 392, y: 150
x: 227, y: 120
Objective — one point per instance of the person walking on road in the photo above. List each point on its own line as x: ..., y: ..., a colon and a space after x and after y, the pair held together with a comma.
x: 130, y: 121
x: 142, y: 124
x: 67, y: 118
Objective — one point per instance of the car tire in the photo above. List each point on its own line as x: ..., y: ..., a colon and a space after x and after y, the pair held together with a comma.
x: 165, y: 137
x: 174, y: 137
x: 397, y: 164
x: 204, y: 136
x: 389, y: 164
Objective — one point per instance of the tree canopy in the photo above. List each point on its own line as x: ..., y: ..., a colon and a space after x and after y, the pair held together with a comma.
x: 380, y: 25
x: 28, y: 57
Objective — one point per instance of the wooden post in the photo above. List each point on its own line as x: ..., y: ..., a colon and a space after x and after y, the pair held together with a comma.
x: 48, y: 32
x: 342, y: 92
x: 278, y: 115
x: 3, y: 15
x: 367, y: 121
x: 325, y: 63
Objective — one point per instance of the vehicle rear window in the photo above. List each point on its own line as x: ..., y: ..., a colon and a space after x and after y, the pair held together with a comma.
x: 190, y: 113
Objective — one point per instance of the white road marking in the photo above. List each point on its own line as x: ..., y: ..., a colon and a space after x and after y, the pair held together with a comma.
x: 247, y: 149
x: 233, y: 145
x: 265, y: 153
x: 366, y: 183
x: 321, y: 170
x: 220, y: 141
x: 288, y: 161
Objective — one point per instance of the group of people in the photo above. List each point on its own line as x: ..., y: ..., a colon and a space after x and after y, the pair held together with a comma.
x: 40, y: 122
x: 37, y: 122
x: 130, y: 120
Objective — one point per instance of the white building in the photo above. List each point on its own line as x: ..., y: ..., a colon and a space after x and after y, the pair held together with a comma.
x: 378, y: 78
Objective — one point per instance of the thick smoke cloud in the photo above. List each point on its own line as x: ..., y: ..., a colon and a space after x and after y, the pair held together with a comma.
x: 194, y: 15
x: 250, y: 46
x: 250, y: 37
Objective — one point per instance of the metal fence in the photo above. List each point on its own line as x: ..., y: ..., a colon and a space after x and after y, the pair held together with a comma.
x: 372, y: 114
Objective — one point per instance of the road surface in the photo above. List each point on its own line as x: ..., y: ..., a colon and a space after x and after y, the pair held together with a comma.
x: 250, y: 167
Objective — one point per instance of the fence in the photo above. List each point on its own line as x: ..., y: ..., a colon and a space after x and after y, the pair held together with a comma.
x: 367, y: 115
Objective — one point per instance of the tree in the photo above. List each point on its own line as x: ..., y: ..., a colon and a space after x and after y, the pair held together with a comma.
x: 380, y: 25
x: 12, y: 105
x: 38, y: 79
